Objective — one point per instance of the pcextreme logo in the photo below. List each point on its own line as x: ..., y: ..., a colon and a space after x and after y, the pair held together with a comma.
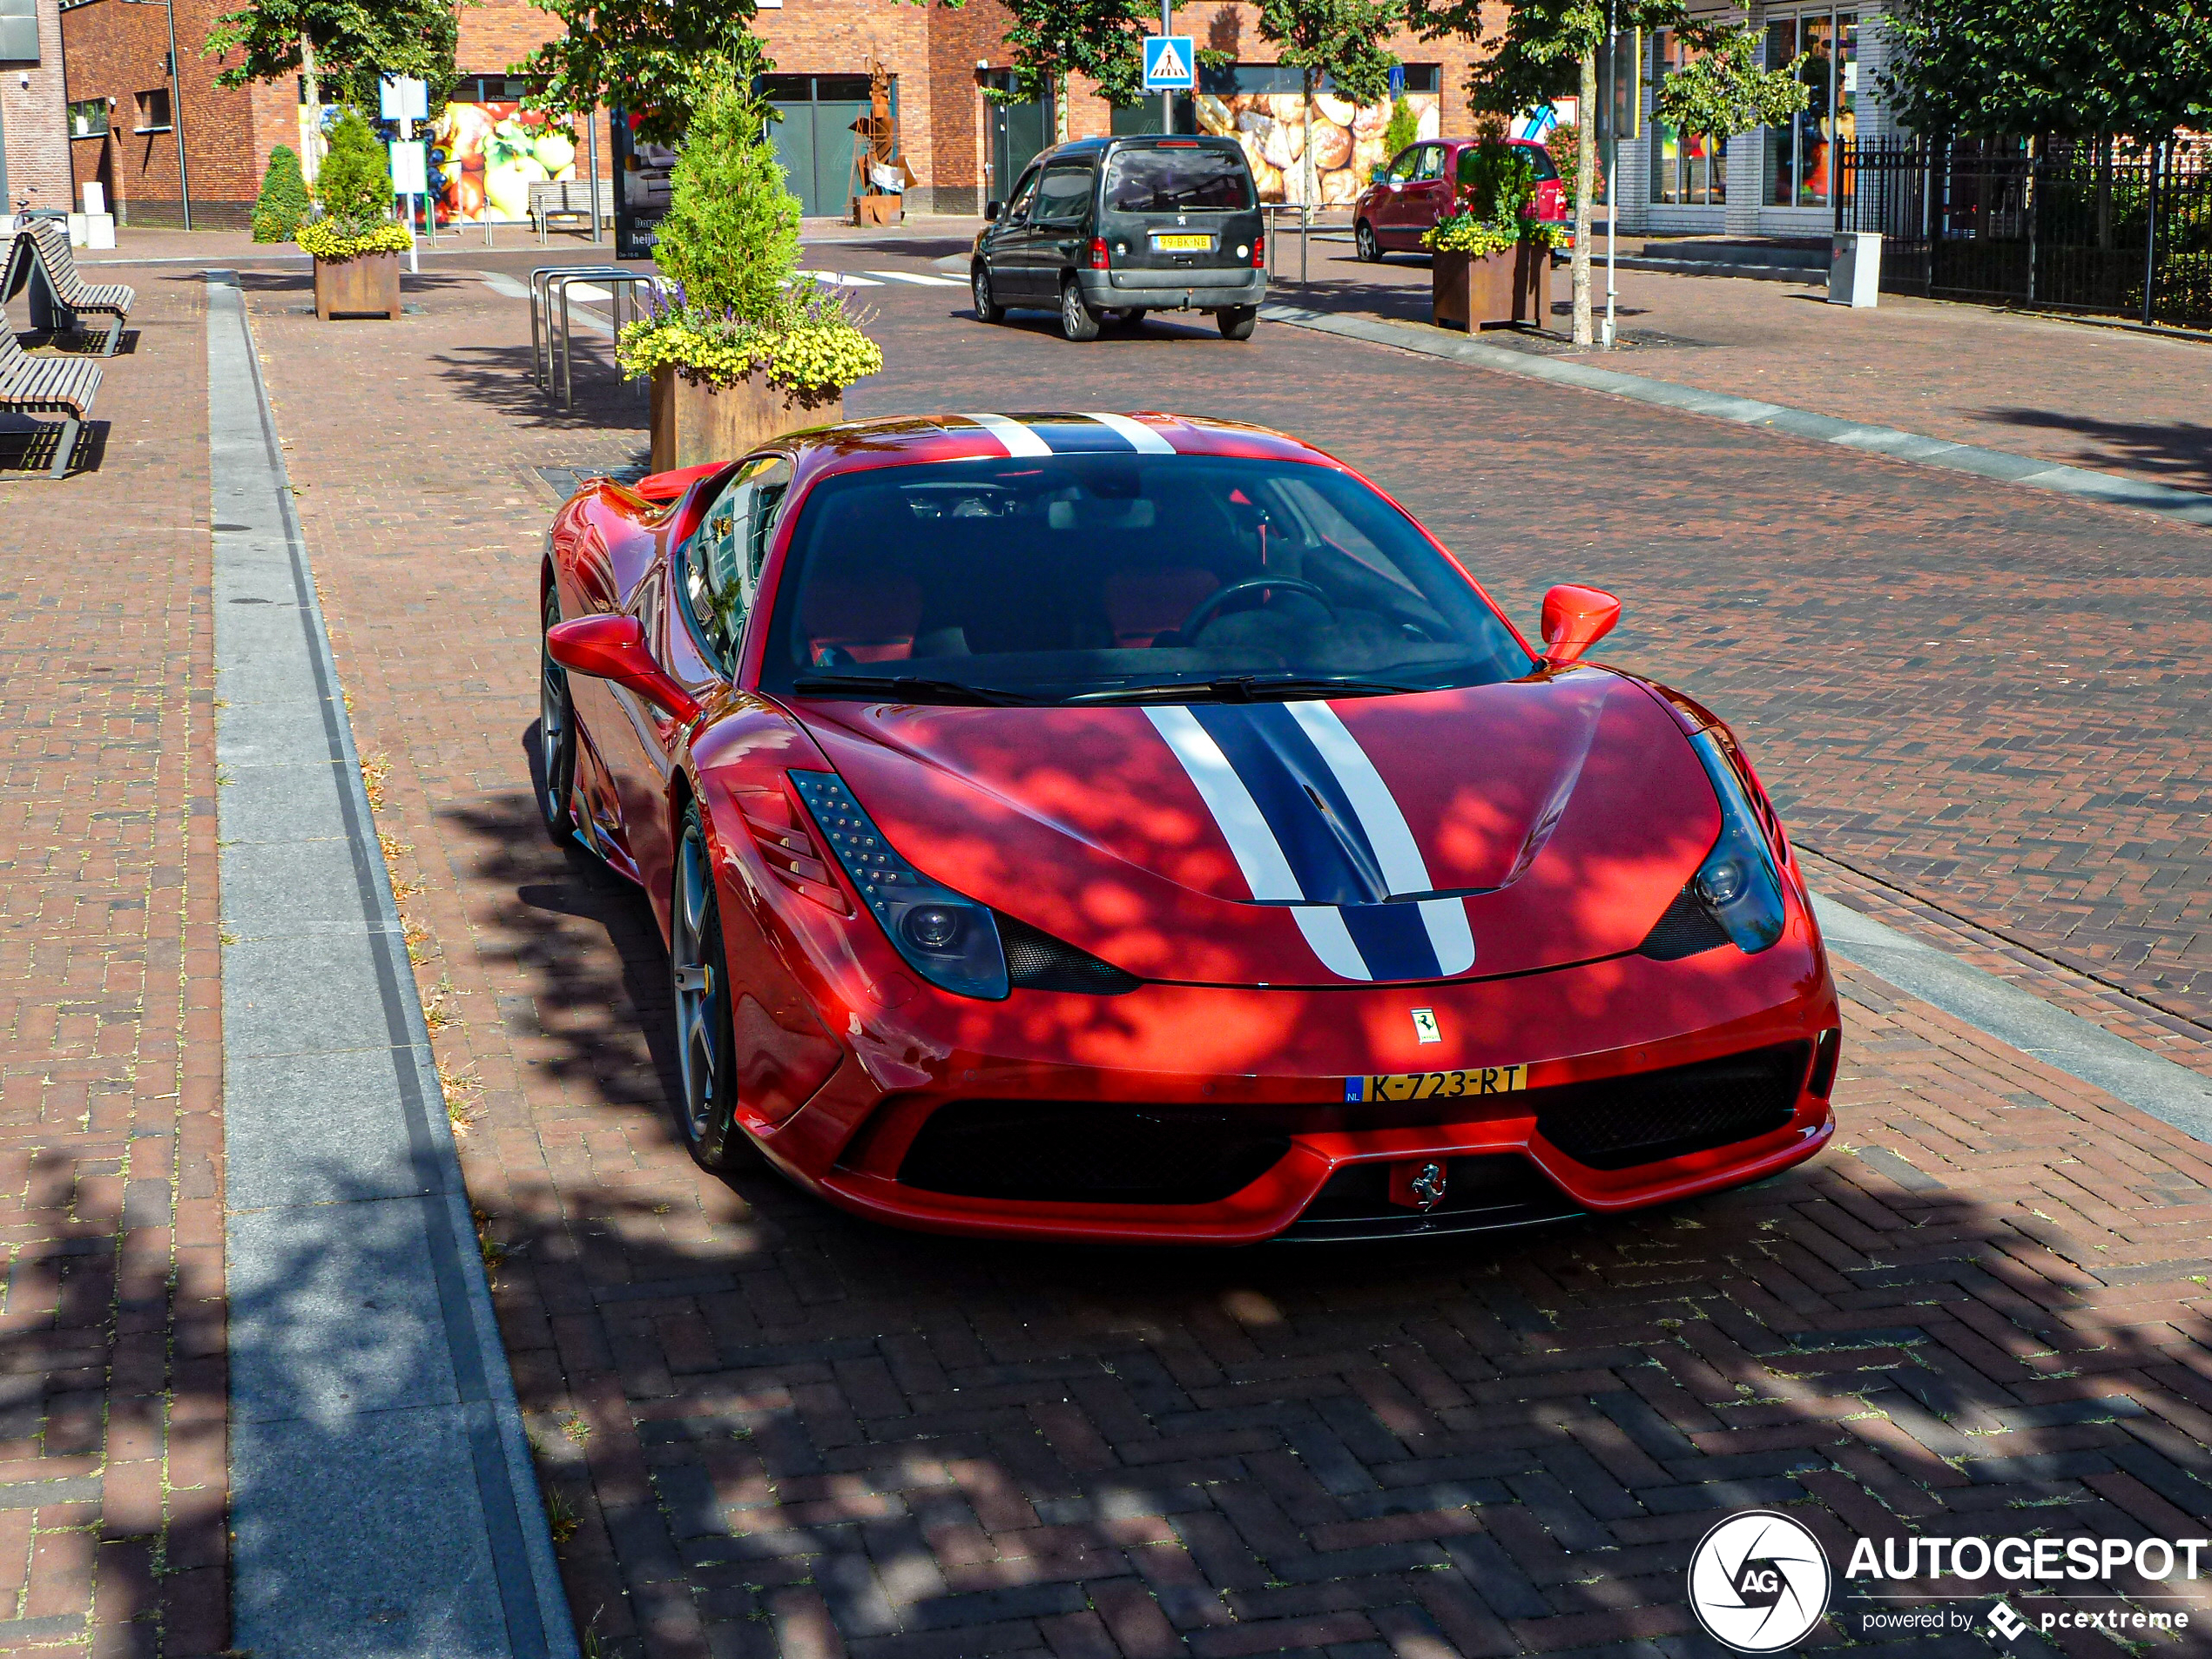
x: 1759, y: 1581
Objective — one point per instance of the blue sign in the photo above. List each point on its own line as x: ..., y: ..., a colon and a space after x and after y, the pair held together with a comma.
x: 1169, y: 64
x: 1397, y: 80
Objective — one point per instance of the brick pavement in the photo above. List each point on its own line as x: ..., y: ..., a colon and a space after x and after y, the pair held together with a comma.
x: 777, y: 1430
x: 112, y: 1331
x: 2087, y: 396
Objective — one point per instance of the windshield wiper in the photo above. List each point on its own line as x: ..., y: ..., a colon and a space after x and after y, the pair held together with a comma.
x: 907, y: 688
x: 1251, y: 688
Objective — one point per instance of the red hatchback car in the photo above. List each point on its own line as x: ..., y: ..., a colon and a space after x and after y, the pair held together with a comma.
x: 1137, y: 827
x: 1417, y: 189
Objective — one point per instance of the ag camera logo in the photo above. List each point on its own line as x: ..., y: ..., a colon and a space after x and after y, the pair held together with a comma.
x: 1759, y: 1581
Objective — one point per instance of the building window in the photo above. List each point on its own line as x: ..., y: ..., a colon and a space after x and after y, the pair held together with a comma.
x: 1687, y: 168
x: 88, y: 118
x: 1798, y: 155
x: 1424, y: 77
x: 19, y: 30
x: 154, y: 111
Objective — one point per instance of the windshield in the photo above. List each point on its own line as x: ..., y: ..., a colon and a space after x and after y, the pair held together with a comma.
x: 1099, y: 578
x: 1169, y: 181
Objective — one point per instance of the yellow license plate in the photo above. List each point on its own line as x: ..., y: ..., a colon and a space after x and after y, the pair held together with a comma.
x: 1471, y: 1082
x: 1179, y: 243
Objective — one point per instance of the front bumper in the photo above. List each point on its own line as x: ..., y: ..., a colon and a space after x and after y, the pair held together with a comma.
x: 1173, y: 290
x: 1276, y: 1063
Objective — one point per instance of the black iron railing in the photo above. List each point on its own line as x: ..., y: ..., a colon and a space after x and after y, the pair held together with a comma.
x: 2090, y: 227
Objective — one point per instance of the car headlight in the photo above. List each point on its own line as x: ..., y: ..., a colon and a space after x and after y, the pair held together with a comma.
x: 1739, y: 882
x: 949, y: 940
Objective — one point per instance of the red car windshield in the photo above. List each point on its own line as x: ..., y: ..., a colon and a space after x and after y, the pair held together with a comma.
x: 1100, y: 577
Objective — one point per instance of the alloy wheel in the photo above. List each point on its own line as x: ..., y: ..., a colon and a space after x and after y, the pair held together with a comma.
x: 698, y: 1030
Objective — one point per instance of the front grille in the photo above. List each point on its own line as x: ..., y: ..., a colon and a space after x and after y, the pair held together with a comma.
x: 1686, y: 928
x: 1618, y: 1123
x: 1037, y: 962
x: 1480, y: 1195
x: 1089, y: 1152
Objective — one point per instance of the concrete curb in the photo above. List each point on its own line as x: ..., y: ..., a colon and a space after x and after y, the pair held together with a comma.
x: 384, y: 1497
x: 2183, y: 506
x: 2173, y: 1094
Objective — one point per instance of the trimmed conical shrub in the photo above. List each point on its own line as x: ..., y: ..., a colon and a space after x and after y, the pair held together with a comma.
x: 284, y: 200
x: 354, y: 183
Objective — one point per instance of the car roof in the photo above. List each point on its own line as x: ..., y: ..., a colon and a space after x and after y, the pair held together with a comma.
x: 1137, y: 141
x: 899, y: 440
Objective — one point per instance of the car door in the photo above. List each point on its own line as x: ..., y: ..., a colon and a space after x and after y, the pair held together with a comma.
x: 1427, y: 195
x: 1005, y: 249
x: 1060, y: 225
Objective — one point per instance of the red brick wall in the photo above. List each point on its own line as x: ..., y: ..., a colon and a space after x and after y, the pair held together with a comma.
x: 117, y: 50
x: 33, y: 120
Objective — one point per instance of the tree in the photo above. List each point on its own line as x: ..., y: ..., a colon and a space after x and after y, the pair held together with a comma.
x: 284, y: 200
x: 1050, y: 39
x: 1548, y: 49
x: 731, y: 233
x: 1405, y: 127
x: 354, y: 186
x: 2077, y: 68
x: 662, y: 61
x: 1338, y: 40
x: 343, y: 43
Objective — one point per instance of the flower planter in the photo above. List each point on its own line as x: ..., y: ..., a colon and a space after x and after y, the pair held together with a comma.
x: 879, y: 210
x: 1514, y: 287
x: 365, y: 286
x: 692, y: 422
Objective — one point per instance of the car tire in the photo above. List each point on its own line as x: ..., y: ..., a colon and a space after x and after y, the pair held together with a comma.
x: 1364, y: 245
x: 987, y: 309
x: 1238, y: 321
x: 1134, y: 317
x: 555, y: 731
x: 1077, y: 319
x: 698, y: 981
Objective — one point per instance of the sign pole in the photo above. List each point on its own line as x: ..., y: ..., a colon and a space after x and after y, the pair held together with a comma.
x: 414, y: 257
x: 1167, y: 94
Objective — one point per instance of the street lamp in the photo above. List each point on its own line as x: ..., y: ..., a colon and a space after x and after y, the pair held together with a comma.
x: 176, y: 101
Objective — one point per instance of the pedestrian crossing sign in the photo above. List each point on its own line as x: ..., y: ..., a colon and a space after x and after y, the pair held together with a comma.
x: 1168, y: 63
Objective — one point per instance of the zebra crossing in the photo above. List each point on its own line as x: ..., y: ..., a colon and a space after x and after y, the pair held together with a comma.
x: 877, y: 279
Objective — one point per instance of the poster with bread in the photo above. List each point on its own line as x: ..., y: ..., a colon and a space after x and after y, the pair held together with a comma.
x: 1275, y: 128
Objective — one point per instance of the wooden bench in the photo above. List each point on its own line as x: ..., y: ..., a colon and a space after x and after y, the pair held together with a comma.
x: 60, y: 297
x: 577, y: 201
x: 48, y: 385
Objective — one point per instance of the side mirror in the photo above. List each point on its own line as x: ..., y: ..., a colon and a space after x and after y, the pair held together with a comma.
x: 613, y: 648
x: 1575, y: 618
x: 991, y: 210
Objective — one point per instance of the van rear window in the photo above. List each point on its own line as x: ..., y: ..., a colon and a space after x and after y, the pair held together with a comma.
x: 1167, y: 182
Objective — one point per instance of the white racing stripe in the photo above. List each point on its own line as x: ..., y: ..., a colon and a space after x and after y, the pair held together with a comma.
x: 1323, y: 926
x: 1403, y: 870
x: 1242, y: 824
x: 1142, y: 438
x: 1021, y: 441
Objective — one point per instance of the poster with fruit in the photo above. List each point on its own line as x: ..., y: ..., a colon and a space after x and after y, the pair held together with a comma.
x: 1275, y: 128
x: 485, y: 157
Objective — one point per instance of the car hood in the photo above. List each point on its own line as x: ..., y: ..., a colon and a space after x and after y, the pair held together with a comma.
x: 1488, y: 830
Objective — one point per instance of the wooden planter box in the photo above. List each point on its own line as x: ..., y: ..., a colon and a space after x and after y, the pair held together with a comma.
x: 879, y: 210
x: 367, y: 287
x: 1514, y: 287
x: 693, y: 423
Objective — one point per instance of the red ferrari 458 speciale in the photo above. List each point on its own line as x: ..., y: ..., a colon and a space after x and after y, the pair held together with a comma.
x: 1137, y: 827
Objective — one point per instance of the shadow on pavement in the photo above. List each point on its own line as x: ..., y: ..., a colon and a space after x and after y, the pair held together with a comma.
x: 2175, y: 452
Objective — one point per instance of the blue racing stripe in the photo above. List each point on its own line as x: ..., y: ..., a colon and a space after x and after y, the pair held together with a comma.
x: 1298, y: 796
x: 1077, y: 434
x: 1392, y: 938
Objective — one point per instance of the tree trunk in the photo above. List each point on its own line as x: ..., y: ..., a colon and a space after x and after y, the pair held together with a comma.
x: 1060, y: 107
x: 1305, y: 149
x: 1585, y: 195
x: 311, y: 83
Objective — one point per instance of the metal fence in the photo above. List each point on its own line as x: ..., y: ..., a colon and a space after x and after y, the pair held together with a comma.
x: 2060, y: 226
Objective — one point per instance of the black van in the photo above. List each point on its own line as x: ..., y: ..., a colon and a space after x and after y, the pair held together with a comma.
x: 1104, y: 230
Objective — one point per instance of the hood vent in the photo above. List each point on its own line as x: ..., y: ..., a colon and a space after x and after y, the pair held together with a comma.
x: 1037, y: 962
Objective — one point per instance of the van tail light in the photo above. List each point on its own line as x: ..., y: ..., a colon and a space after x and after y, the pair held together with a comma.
x: 793, y: 855
x: 1098, y: 253
x: 1259, y: 251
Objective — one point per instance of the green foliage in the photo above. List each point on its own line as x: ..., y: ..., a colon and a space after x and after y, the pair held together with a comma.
x: 1723, y: 91
x: 811, y: 346
x: 1047, y: 39
x: 1493, y: 204
x: 355, y: 185
x: 1340, y: 40
x: 284, y: 200
x: 730, y: 239
x: 1405, y: 127
x: 329, y: 239
x: 355, y: 40
x: 2077, y: 68
x: 1565, y: 143
x: 660, y: 60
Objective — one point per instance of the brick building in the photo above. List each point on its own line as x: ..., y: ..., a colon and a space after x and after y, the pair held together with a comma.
x: 124, y: 115
x: 34, y: 150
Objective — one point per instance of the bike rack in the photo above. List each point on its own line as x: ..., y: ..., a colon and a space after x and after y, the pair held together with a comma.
x: 541, y: 318
x: 619, y: 282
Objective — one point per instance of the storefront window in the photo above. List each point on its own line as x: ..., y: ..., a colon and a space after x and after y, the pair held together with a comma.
x: 1798, y: 156
x: 1686, y: 167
